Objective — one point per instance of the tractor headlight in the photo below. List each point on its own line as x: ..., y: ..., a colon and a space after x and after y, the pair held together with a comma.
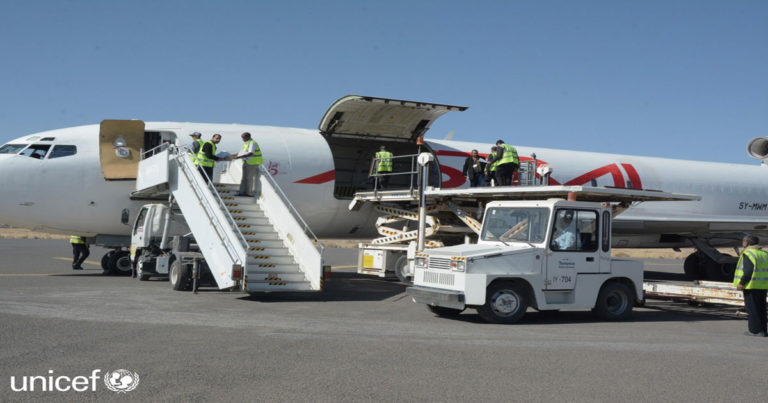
x: 458, y: 264
x: 422, y: 261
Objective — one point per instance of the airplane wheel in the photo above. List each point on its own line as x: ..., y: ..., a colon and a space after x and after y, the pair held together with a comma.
x: 692, y: 267
x: 105, y: 263
x: 719, y: 271
x: 120, y: 263
x: 180, y: 276
x: 402, y: 270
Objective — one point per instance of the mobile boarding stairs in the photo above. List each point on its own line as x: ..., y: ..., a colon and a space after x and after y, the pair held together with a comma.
x: 251, y: 244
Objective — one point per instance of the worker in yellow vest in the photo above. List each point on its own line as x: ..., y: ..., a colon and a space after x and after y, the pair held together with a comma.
x: 382, y: 162
x: 251, y: 156
x: 491, y: 168
x: 206, y: 157
x: 197, y: 144
x: 751, y: 277
x: 80, y: 251
x: 506, y: 161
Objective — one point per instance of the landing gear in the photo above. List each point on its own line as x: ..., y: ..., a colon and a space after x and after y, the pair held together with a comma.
x: 116, y: 263
x: 698, y: 266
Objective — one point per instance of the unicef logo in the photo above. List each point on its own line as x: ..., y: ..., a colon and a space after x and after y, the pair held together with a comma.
x: 121, y: 380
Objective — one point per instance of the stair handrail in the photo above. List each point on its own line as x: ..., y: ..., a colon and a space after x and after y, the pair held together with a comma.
x: 291, y: 208
x: 183, y: 157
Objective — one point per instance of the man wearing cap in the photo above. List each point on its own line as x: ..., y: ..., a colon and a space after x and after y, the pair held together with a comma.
x: 197, y: 143
x: 251, y: 156
x: 751, y: 277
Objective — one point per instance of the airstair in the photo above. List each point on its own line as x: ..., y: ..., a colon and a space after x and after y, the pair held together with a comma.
x: 252, y: 244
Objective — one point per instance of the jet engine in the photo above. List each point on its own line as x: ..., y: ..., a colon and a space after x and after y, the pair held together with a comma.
x: 758, y: 148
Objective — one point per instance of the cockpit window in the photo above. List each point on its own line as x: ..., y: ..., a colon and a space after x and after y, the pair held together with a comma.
x: 62, y: 151
x: 36, y: 151
x: 11, y: 148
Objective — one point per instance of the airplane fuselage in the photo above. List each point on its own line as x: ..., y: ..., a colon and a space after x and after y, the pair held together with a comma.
x: 69, y: 194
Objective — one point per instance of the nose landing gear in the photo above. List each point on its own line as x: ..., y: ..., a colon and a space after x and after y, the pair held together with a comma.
x: 116, y: 263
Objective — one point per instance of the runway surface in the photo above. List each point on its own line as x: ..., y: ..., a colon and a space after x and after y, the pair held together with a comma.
x: 361, y: 339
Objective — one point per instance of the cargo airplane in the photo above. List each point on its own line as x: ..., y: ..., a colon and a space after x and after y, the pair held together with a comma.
x: 79, y: 180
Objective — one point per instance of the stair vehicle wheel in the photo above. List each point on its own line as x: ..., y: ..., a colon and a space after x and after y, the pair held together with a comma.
x: 444, y: 312
x: 140, y: 272
x: 402, y: 271
x: 180, y: 276
x: 614, y: 302
x: 105, y: 263
x: 120, y: 263
x: 505, y: 302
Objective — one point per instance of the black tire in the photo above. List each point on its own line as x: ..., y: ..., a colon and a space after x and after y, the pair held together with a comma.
x: 692, y: 267
x: 400, y: 267
x: 505, y: 302
x: 180, y: 276
x: 719, y: 271
x: 120, y: 263
x: 140, y: 272
x: 105, y: 263
x: 444, y: 312
x: 614, y: 302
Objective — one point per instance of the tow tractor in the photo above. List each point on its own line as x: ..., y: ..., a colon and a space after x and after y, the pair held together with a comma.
x: 550, y: 252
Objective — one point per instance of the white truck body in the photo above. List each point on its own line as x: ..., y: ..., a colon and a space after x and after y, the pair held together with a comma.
x: 520, y: 249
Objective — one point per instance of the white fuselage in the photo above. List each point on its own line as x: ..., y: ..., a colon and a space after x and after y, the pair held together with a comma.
x: 69, y: 195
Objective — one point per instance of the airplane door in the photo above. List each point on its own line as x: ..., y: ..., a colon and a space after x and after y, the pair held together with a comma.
x: 120, y: 142
x: 573, y: 248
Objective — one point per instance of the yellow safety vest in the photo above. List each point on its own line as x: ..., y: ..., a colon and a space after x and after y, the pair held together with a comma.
x: 202, y: 159
x: 509, y: 156
x: 256, y: 158
x: 194, y: 158
x: 759, y: 280
x: 76, y: 240
x: 492, y: 167
x: 385, y: 161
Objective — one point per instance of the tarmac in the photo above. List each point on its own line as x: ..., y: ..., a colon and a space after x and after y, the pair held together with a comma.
x: 361, y: 339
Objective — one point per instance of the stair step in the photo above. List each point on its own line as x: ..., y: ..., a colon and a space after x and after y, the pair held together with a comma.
x: 236, y: 205
x: 240, y: 219
x: 256, y: 228
x: 261, y: 236
x: 270, y: 259
x: 262, y: 268
x: 265, y: 243
x: 275, y: 277
x: 240, y: 200
x: 251, y: 210
x: 264, y: 251
x: 279, y: 286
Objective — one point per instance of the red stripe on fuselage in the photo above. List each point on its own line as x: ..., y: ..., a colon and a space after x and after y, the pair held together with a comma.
x: 319, y: 178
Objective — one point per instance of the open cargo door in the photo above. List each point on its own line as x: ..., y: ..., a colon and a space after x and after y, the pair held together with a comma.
x: 356, y: 126
x: 381, y: 118
x: 120, y: 144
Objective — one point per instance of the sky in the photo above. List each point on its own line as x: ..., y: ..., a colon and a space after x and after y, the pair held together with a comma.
x: 681, y: 79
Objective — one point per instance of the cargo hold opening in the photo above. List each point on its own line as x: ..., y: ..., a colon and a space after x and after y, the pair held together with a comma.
x: 352, y: 160
x: 356, y: 126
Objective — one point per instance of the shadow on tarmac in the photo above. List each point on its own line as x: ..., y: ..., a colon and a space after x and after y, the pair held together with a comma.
x: 341, y: 287
x: 659, y: 311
